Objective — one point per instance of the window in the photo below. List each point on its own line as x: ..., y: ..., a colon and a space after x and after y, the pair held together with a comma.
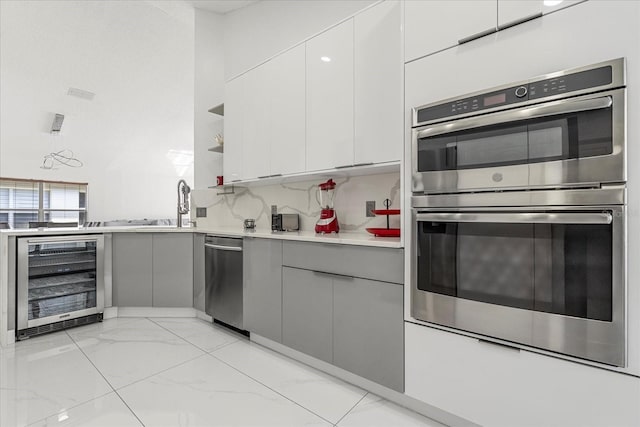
x: 23, y: 201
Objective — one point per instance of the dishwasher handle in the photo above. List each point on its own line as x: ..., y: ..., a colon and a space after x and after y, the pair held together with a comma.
x: 223, y: 248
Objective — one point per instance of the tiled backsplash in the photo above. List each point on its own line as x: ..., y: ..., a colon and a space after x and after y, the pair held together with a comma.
x: 301, y: 198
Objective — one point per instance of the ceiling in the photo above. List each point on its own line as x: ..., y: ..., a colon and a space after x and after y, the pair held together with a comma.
x: 220, y: 6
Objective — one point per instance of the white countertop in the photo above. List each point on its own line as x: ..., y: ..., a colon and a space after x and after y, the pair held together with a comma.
x: 344, y: 237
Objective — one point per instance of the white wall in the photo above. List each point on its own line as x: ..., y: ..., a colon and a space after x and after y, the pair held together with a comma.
x: 256, y: 33
x: 209, y: 92
x: 135, y: 137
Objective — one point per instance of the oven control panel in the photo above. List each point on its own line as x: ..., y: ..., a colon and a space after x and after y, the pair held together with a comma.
x: 538, y: 89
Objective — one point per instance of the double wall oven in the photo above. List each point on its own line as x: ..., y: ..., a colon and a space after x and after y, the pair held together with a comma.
x: 520, y: 215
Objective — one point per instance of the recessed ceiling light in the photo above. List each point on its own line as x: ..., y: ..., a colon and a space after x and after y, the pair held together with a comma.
x: 552, y: 2
x: 325, y: 59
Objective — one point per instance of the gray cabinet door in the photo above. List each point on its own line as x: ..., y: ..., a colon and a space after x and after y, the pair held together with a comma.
x: 198, y: 272
x: 368, y: 330
x: 132, y: 269
x: 385, y: 264
x: 307, y: 299
x: 262, y: 265
x: 172, y: 270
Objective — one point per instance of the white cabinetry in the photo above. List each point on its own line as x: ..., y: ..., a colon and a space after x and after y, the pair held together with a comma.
x: 255, y: 124
x: 286, y: 85
x: 271, y: 130
x: 233, y: 132
x: 495, y: 385
x: 378, y: 84
x: 329, y: 101
x: 431, y: 26
x: 514, y: 11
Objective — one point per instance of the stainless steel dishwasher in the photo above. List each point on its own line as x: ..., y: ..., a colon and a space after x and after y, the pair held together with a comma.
x: 223, y: 280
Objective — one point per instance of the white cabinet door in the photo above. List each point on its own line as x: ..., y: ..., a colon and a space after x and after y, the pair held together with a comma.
x: 378, y: 84
x: 286, y: 92
x: 256, y: 124
x: 233, y: 138
x: 514, y: 11
x: 431, y: 26
x: 329, y: 64
x: 467, y: 377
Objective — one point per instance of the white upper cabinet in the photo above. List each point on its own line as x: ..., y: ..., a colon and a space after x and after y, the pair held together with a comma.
x: 514, y: 11
x: 431, y: 26
x: 233, y: 129
x: 329, y: 85
x: 286, y: 87
x: 256, y: 124
x: 378, y: 84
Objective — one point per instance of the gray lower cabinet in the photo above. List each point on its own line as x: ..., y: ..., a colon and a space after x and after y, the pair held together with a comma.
x: 152, y: 269
x: 262, y: 277
x: 132, y: 269
x: 172, y: 270
x: 307, y: 300
x: 198, y: 272
x: 368, y: 330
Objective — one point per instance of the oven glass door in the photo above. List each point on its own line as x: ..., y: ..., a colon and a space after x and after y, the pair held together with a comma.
x: 518, y: 137
x: 555, y: 268
x: 520, y: 275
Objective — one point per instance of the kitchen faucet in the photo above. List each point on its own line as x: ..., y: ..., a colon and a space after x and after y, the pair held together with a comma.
x: 183, y: 200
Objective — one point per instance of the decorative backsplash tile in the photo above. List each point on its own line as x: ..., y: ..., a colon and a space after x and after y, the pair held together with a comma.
x: 301, y: 198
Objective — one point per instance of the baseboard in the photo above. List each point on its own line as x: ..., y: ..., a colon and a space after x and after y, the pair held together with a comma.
x: 156, y: 312
x: 110, y: 313
x: 203, y: 316
x: 375, y: 388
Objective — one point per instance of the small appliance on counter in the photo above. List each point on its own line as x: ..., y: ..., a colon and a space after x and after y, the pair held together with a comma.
x: 285, y: 222
x: 328, y: 222
x: 249, y: 224
x: 389, y: 231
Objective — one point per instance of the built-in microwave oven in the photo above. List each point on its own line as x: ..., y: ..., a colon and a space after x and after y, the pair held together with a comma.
x: 563, y: 129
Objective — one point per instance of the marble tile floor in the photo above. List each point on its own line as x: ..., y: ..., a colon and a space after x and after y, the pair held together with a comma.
x: 175, y: 372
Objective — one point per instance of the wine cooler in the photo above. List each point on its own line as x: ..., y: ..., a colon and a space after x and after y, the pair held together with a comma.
x: 60, y: 283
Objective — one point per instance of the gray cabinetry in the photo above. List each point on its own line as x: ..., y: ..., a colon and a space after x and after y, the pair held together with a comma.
x: 307, y: 298
x: 152, y: 269
x: 344, y: 305
x: 262, y: 265
x: 368, y: 329
x: 172, y: 270
x: 132, y: 269
x: 385, y: 264
x: 198, y: 272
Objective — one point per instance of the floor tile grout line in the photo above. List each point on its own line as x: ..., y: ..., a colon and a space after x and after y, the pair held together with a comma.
x: 106, y: 380
x: 189, y: 342
x: 352, y: 408
x: 162, y: 372
x: 148, y: 376
x: 173, y: 333
x: 275, y: 391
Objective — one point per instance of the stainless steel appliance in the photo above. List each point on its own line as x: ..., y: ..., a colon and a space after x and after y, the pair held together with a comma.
x: 60, y: 283
x: 558, y: 130
x: 223, y: 280
x: 285, y: 222
x: 519, y: 215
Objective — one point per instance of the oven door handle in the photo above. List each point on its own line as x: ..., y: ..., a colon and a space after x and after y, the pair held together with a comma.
x: 536, y: 111
x: 518, y: 217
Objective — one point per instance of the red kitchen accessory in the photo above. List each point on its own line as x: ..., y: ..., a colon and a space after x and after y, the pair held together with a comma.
x: 385, y: 232
x: 328, y: 222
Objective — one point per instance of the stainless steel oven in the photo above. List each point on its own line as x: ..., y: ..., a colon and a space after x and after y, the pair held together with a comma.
x: 563, y: 129
x: 519, y: 214
x: 538, y: 271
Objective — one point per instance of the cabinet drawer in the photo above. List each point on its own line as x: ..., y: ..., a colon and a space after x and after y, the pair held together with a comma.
x: 384, y: 264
